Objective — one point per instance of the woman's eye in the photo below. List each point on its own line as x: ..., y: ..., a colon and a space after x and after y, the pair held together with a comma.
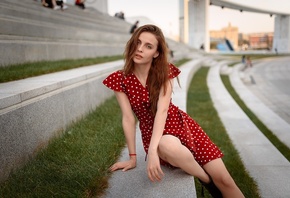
x: 149, y: 46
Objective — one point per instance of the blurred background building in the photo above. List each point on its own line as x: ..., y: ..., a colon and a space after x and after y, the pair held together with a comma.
x: 230, y: 37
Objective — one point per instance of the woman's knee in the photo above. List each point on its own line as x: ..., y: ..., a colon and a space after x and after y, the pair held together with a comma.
x: 225, y: 180
x: 168, y: 144
x: 219, y: 173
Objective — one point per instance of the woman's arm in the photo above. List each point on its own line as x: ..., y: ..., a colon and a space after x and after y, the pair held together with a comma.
x: 129, y: 127
x: 153, y: 167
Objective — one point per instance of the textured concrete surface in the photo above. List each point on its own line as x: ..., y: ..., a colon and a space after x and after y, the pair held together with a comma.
x: 31, y: 32
x: 269, y: 80
x: 269, y: 168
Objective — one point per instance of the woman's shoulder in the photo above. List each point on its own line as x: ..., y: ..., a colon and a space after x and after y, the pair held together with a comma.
x: 173, y: 70
x: 114, y: 80
x: 119, y: 74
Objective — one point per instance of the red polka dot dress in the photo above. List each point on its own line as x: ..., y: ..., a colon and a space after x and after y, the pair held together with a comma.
x: 178, y: 123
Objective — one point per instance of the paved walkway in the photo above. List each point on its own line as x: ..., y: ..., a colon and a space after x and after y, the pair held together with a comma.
x: 269, y: 168
x: 268, y: 97
x: 271, y: 84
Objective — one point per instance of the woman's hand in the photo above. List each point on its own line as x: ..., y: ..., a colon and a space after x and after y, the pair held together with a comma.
x: 154, y: 170
x: 126, y: 165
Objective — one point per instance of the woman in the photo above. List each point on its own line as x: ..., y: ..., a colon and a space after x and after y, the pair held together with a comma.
x: 170, y: 137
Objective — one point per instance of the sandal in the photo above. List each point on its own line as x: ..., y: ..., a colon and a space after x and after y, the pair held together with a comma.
x: 211, y: 188
x: 45, y: 4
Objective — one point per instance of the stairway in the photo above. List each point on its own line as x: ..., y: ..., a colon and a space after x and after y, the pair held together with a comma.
x: 30, y: 32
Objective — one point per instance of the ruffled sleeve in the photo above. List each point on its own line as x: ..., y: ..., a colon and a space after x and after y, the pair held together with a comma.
x: 173, y: 71
x: 115, y: 81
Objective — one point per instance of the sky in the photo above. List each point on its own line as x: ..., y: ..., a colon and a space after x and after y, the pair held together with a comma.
x: 165, y: 14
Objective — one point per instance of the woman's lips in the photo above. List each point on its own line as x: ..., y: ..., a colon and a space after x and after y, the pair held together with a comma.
x: 138, y: 56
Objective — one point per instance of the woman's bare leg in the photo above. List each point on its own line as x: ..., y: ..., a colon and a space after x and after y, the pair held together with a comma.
x: 54, y: 3
x: 171, y: 150
x: 222, y: 179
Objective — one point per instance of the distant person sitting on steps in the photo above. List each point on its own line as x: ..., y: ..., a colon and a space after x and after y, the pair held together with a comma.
x: 170, y: 137
x: 80, y: 4
x: 244, y: 60
x: 120, y: 15
x: 54, y: 4
x: 134, y: 27
x: 248, y: 62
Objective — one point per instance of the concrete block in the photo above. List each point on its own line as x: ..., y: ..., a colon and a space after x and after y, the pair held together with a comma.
x: 27, y: 126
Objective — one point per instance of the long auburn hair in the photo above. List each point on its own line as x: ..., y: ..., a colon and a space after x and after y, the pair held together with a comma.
x: 158, y: 73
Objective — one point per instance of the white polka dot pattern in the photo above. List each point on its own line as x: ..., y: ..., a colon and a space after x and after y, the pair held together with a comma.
x: 178, y: 123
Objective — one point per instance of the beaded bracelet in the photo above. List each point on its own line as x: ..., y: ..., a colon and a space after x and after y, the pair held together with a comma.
x: 133, y: 154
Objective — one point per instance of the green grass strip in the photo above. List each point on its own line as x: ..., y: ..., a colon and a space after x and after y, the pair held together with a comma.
x: 26, y: 70
x: 75, y: 164
x: 200, y: 107
x: 21, y: 71
x: 268, y: 133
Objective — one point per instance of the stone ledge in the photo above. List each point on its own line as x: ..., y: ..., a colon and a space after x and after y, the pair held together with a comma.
x: 16, y: 92
x: 29, y: 124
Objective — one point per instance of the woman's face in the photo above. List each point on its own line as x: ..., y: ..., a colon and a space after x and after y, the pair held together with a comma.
x: 146, y: 48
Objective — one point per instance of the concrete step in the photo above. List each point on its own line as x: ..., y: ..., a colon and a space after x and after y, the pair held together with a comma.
x: 20, y: 51
x: 34, y: 28
x: 35, y: 5
x: 16, y: 92
x: 55, y: 26
x: 72, y: 17
x: 269, y: 168
x: 276, y: 124
x: 29, y: 32
x: 35, y: 110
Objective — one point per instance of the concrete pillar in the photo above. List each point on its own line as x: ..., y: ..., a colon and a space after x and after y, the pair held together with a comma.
x: 281, y: 41
x: 182, y: 23
x: 198, y: 33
